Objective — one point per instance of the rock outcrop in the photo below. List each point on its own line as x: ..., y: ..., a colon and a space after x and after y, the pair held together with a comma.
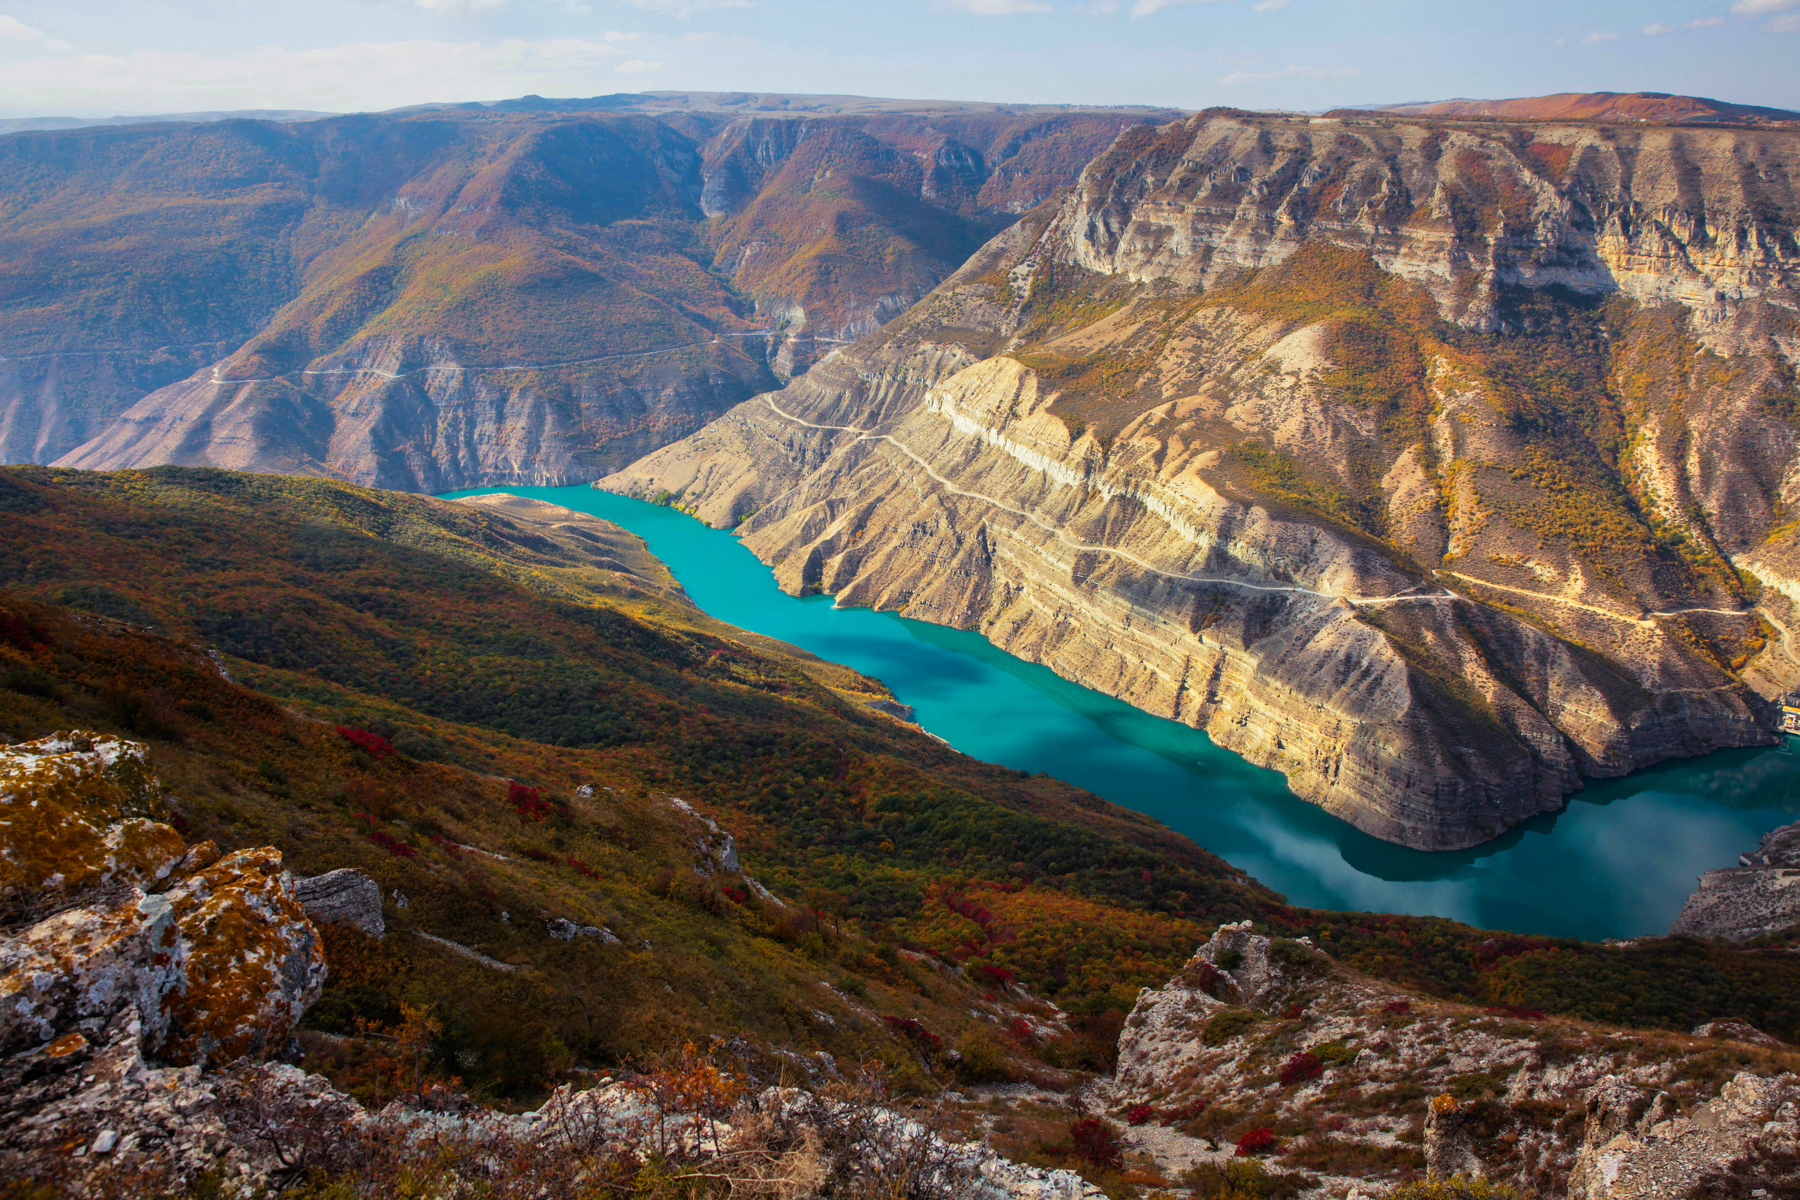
x: 345, y: 896
x: 1261, y: 1031
x: 1760, y: 895
x: 1157, y: 439
x: 1637, y: 1146
x: 207, y: 959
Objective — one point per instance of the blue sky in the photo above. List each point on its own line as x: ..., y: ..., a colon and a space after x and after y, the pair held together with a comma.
x: 100, y: 57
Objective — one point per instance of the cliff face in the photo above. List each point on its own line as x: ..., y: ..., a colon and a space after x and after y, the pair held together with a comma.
x: 1414, y: 460
x: 431, y: 300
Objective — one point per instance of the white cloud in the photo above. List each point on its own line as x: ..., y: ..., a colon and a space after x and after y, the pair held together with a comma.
x: 687, y: 8
x: 698, y: 36
x: 1789, y: 23
x: 613, y: 35
x: 1596, y: 39
x: 356, y: 76
x: 11, y: 27
x: 637, y: 66
x: 460, y: 8
x: 999, y: 8
x: 1658, y: 27
x: 1269, y: 5
x: 1706, y: 22
x: 1755, y: 8
x: 1291, y: 72
x: 1143, y: 8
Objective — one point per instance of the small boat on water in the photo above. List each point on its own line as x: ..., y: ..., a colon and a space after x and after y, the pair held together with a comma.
x: 1790, y: 713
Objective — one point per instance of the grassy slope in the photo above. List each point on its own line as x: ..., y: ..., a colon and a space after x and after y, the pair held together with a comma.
x: 489, y: 650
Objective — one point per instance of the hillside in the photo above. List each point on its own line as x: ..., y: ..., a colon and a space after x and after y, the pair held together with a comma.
x: 508, y: 641
x: 1657, y: 107
x: 434, y: 299
x: 1437, y: 466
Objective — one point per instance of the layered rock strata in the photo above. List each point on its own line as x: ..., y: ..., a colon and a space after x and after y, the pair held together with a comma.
x: 1250, y: 432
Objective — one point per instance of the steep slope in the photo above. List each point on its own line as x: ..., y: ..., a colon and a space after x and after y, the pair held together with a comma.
x: 1659, y: 107
x: 448, y: 297
x: 1415, y: 461
x: 509, y: 643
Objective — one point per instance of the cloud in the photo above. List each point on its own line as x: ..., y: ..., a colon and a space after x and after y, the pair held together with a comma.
x: 1706, y: 22
x: 1658, y: 27
x: 1755, y: 8
x: 999, y: 8
x: 687, y: 8
x: 460, y: 8
x: 1790, y: 23
x: 637, y: 66
x: 353, y: 76
x: 11, y: 27
x: 1143, y: 8
x: 1596, y: 39
x: 1290, y: 72
x: 1269, y: 5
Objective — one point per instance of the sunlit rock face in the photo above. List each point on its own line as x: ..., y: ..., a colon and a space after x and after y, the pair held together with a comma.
x: 1432, y: 465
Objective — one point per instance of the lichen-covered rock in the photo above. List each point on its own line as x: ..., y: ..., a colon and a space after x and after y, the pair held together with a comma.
x: 239, y: 966
x: 343, y: 897
x: 82, y: 965
x: 77, y: 811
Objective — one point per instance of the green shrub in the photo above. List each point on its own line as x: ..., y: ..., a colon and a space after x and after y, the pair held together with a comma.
x: 1229, y: 959
x: 1227, y: 1024
x: 1244, y: 1179
x: 982, y: 1058
x: 1456, y: 1188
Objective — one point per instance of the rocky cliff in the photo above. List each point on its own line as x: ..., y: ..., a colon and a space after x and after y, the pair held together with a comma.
x: 1266, y: 1046
x: 434, y: 299
x: 1427, y: 463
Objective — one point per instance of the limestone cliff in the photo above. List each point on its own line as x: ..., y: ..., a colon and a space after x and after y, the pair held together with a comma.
x: 1414, y: 459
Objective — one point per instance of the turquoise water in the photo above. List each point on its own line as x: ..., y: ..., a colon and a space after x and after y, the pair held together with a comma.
x: 1617, y: 862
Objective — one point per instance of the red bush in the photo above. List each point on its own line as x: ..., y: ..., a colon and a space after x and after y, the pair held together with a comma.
x: 392, y: 844
x: 1301, y: 1067
x: 990, y: 974
x: 528, y: 802
x: 917, y: 1032
x: 1518, y: 1014
x: 372, y: 744
x: 1094, y: 1141
x: 1257, y: 1141
x: 1399, y: 1007
x: 588, y: 870
x: 22, y: 633
x: 1138, y: 1114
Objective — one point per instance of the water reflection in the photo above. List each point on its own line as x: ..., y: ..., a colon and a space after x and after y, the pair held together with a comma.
x: 1618, y: 861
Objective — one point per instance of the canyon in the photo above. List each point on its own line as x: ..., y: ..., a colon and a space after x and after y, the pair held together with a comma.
x: 531, y: 292
x: 1438, y: 465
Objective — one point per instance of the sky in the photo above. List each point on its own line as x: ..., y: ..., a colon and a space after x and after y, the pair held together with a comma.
x: 107, y: 57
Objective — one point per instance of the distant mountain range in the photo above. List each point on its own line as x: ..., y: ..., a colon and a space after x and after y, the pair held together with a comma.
x: 1658, y: 107
x: 533, y: 292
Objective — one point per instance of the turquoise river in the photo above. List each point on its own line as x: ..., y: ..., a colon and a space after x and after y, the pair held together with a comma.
x: 1617, y: 862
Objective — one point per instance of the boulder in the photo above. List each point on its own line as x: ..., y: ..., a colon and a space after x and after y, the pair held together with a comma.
x: 78, y: 811
x: 343, y: 897
x: 216, y: 956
